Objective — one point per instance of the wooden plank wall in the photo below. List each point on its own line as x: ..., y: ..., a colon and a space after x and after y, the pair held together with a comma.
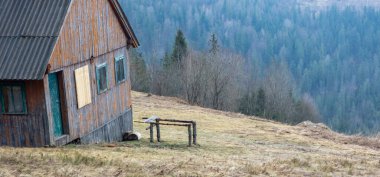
x: 27, y: 130
x: 104, y: 107
x: 91, y: 29
x: 112, y: 131
x: 91, y: 35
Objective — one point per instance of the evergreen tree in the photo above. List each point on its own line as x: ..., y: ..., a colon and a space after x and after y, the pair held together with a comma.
x: 139, y: 74
x: 260, y: 103
x: 247, y: 104
x: 167, y: 60
x: 179, y: 49
x: 214, y: 46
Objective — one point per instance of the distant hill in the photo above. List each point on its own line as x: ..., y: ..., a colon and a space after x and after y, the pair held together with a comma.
x: 229, y: 145
x: 339, y: 3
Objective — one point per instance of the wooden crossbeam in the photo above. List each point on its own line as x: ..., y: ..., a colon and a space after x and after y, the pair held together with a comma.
x: 192, y: 128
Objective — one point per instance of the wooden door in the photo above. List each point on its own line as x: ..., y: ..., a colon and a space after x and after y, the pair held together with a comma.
x: 55, y: 101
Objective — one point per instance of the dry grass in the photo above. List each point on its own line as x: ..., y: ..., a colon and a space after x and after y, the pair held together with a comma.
x: 230, y: 145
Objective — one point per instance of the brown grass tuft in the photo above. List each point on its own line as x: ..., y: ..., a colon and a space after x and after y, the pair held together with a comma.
x: 255, y: 169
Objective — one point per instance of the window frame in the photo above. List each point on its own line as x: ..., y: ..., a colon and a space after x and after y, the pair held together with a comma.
x: 117, y: 59
x: 98, y: 67
x: 23, y: 96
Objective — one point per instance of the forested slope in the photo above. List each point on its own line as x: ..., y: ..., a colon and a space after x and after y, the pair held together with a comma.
x: 333, y: 53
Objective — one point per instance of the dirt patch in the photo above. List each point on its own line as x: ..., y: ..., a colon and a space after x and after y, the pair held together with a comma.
x: 321, y: 131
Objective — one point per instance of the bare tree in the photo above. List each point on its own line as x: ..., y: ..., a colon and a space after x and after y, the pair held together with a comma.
x: 155, y: 71
x: 279, y: 88
x: 224, y: 72
x: 195, y: 80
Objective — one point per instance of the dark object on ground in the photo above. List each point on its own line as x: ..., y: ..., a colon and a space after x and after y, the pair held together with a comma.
x: 132, y: 136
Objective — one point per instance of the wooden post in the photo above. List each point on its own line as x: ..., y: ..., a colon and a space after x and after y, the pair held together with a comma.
x: 189, y: 131
x: 151, y: 132
x: 191, y: 125
x: 194, y: 133
x: 158, y: 130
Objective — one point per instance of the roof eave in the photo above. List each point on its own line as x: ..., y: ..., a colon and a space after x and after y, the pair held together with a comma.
x: 125, y: 24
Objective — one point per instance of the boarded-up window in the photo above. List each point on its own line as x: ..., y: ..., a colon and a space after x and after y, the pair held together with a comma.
x: 12, y: 99
x: 83, y: 86
x: 120, y: 69
x: 101, y: 78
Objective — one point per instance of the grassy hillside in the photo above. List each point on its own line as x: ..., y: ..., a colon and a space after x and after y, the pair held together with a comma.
x: 230, y: 145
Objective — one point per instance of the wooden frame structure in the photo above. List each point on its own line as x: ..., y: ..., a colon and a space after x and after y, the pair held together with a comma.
x: 191, y: 128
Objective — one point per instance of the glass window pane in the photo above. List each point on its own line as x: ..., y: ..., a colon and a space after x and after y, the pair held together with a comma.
x: 102, y: 80
x: 120, y: 70
x: 17, y: 99
x: 7, y: 96
x: 12, y: 99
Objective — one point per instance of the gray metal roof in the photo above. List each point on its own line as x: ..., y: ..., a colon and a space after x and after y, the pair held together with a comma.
x: 28, y: 32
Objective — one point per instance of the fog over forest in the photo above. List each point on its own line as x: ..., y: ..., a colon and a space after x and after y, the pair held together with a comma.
x: 289, y: 61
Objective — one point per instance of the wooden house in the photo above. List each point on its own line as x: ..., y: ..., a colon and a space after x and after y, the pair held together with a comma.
x: 64, y: 72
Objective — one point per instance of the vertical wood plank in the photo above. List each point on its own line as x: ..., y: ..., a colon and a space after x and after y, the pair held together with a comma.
x: 50, y: 130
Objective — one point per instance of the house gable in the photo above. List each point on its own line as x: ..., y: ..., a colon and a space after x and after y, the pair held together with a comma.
x: 80, y: 33
x: 132, y: 39
x: 91, y: 28
x: 31, y: 30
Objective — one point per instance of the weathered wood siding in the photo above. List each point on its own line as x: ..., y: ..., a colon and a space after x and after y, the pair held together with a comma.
x: 30, y: 130
x: 91, y: 29
x: 104, y: 107
x: 112, y: 131
x: 92, y: 35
